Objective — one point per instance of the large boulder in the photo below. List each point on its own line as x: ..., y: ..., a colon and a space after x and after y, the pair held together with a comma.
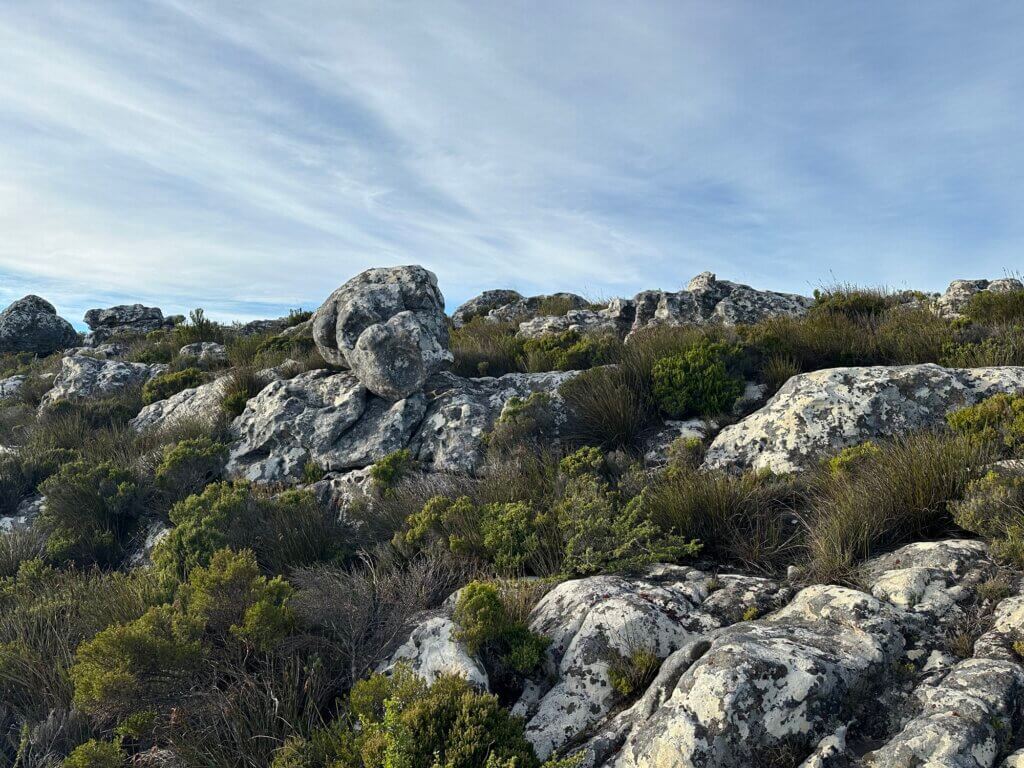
x: 954, y: 300
x: 31, y: 324
x: 462, y: 411
x: 389, y: 327
x: 200, y: 404
x: 480, y: 306
x: 82, y: 378
x: 123, y: 318
x: 818, y: 413
x: 205, y: 352
x: 328, y: 418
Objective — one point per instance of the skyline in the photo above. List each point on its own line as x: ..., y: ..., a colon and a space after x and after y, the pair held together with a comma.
x: 243, y: 159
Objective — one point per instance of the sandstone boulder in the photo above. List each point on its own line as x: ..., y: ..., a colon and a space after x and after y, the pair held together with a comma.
x: 954, y: 300
x: 480, y: 306
x: 82, y: 377
x: 31, y: 324
x: 389, y: 327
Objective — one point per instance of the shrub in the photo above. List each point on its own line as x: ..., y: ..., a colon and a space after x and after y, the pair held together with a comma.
x: 901, y: 493
x: 997, y: 421
x: 242, y: 385
x: 993, y: 507
x: 21, y: 473
x: 96, y: 754
x: 188, y: 466
x: 486, y: 628
x: 91, y: 511
x: 631, y: 674
x: 570, y: 351
x: 849, y: 458
x: 297, y: 317
x: 851, y: 301
x: 399, y: 720
x: 777, y: 370
x: 522, y: 426
x: 485, y: 348
x: 978, y: 348
x: 171, y: 383
x: 17, y: 546
x: 198, y: 328
x: 990, y: 308
x: 284, y: 531
x: 696, y: 382
x: 153, y: 349
x: 390, y: 469
x: 604, y: 409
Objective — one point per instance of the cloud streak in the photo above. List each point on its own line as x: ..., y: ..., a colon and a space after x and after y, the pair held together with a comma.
x: 250, y: 157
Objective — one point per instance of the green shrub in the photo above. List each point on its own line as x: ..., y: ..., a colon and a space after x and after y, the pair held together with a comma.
x: 991, y: 308
x: 851, y: 301
x: 21, y: 473
x: 570, y: 351
x: 631, y: 674
x: 486, y: 628
x: 96, y: 754
x: 485, y: 348
x: 997, y: 421
x: 392, y: 468
x: 899, y: 494
x: 523, y: 425
x: 777, y: 370
x: 243, y: 385
x: 604, y: 409
x: 171, y: 383
x: 696, y: 382
x: 993, y: 507
x: 188, y: 466
x: 849, y: 458
x: 92, y: 511
x: 285, y: 531
x: 155, y: 348
x: 198, y: 328
x: 297, y: 317
x: 398, y: 721
x: 312, y: 472
x: 978, y: 348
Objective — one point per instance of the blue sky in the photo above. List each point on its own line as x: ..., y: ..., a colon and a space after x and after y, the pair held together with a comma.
x: 251, y: 156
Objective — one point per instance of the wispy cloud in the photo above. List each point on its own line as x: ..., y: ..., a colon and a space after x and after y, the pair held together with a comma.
x: 249, y: 157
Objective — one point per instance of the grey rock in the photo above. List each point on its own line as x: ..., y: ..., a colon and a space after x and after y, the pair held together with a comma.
x: 818, y: 413
x: 432, y: 651
x: 657, y: 445
x: 953, y: 301
x: 339, y: 490
x: 206, y: 352
x: 111, y: 350
x: 616, y: 319
x: 254, y: 327
x: 124, y: 318
x: 83, y: 377
x: 461, y: 412
x: 330, y: 419
x: 389, y: 327
x: 481, y: 305
x: 11, y: 386
x: 200, y: 404
x: 31, y: 324
x: 524, y: 309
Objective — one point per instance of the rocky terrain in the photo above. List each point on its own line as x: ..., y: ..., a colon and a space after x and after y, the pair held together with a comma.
x: 714, y: 527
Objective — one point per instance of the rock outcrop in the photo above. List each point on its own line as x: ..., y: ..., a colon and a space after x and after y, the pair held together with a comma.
x: 480, y: 306
x: 200, y: 404
x: 388, y: 326
x: 205, y: 352
x: 331, y: 419
x: 955, y: 298
x: 818, y: 413
x: 82, y: 377
x: 124, y: 318
x: 31, y: 324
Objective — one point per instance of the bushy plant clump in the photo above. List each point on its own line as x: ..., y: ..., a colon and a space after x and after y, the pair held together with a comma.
x: 570, y: 351
x: 993, y: 507
x: 164, y: 385
x: 486, y: 627
x: 851, y: 301
x: 243, y: 384
x: 392, y: 468
x: 485, y: 348
x: 188, y: 466
x: 696, y: 382
x: 997, y: 421
x: 198, y: 328
x: 996, y: 308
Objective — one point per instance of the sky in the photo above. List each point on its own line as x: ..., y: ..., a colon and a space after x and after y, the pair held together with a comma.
x: 249, y: 157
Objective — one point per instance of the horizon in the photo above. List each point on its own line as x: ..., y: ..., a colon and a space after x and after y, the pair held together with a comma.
x: 184, y: 154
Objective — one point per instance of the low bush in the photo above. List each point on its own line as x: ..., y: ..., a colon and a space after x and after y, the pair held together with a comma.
x: 570, y: 351
x: 997, y: 421
x: 899, y: 494
x: 392, y: 468
x: 848, y: 459
x: 198, y: 328
x: 605, y: 410
x: 851, y: 301
x: 243, y: 385
x: 285, y: 531
x: 97, y: 754
x: 398, y: 720
x: 983, y: 347
x: 993, y: 507
x: 630, y: 674
x: 483, y: 623
x: 21, y: 473
x: 92, y: 511
x: 485, y: 348
x: 696, y: 382
x: 166, y: 384
x: 188, y: 466
x: 990, y: 308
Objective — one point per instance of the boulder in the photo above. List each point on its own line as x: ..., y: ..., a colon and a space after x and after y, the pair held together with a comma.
x: 124, y: 318
x: 953, y: 301
x: 328, y: 418
x: 389, y: 327
x: 617, y: 318
x: 199, y: 404
x: 110, y: 350
x: 205, y: 352
x: 82, y: 377
x: 819, y: 413
x: 432, y: 651
x: 481, y: 305
x: 524, y: 309
x: 31, y: 324
x: 460, y: 412
x: 11, y: 386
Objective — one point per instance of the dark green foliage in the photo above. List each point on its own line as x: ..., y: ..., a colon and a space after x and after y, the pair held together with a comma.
x: 297, y: 316
x: 166, y: 384
x: 993, y: 507
x: 485, y: 348
x: 487, y: 629
x: 696, y: 382
x: 605, y: 410
x: 632, y: 673
x: 851, y: 301
x: 198, y: 328
x: 92, y: 511
x: 21, y: 473
x: 285, y: 531
x: 243, y: 384
x: 393, y: 467
x: 991, y: 308
x: 570, y: 351
x: 189, y: 466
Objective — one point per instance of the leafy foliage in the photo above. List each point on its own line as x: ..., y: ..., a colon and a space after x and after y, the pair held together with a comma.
x: 696, y: 382
x: 997, y: 421
x: 164, y: 385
